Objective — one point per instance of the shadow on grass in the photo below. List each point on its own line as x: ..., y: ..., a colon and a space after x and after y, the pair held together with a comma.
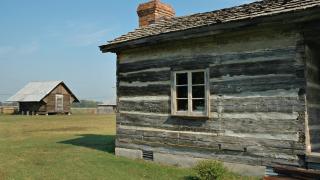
x: 191, y: 178
x: 104, y: 143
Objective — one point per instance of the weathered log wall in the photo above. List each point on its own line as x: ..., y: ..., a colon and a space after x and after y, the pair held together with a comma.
x: 257, y: 98
x: 313, y: 94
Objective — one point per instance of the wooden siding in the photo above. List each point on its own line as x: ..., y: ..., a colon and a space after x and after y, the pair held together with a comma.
x: 51, y: 100
x: 257, y: 98
x: 313, y: 95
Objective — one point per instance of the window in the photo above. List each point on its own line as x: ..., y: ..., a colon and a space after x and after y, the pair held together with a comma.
x: 59, y: 103
x: 190, y: 93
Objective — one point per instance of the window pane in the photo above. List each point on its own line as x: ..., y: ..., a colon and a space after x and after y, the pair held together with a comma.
x: 198, y: 78
x: 198, y: 105
x: 198, y: 91
x: 182, y: 92
x: 182, y: 105
x: 182, y: 78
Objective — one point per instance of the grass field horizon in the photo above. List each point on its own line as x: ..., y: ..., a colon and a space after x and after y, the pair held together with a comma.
x: 73, y: 147
x: 69, y: 147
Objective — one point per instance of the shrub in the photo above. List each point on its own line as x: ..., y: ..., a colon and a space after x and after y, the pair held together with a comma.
x: 210, y: 170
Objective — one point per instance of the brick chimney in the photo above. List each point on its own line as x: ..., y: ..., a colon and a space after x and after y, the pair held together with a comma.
x: 153, y: 11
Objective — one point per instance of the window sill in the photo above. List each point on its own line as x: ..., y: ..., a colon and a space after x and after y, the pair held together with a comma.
x: 194, y: 117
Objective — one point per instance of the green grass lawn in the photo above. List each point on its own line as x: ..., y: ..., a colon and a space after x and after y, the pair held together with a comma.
x: 70, y: 147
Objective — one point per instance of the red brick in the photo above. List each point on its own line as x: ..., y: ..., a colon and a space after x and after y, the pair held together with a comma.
x: 154, y: 11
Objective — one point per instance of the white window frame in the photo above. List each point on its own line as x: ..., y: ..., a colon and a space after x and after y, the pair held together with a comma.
x: 58, y: 109
x: 190, y: 113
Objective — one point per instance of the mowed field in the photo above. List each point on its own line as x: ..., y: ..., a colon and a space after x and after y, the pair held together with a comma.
x: 70, y: 147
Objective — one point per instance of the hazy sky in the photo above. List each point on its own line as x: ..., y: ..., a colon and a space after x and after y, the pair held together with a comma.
x: 59, y: 39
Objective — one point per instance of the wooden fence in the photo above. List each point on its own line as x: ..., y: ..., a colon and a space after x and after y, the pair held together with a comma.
x: 98, y: 110
x: 8, y: 110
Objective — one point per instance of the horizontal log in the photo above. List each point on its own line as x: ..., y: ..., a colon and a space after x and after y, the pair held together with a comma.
x: 146, y: 106
x: 146, y: 76
x: 203, y: 61
x: 227, y: 104
x: 240, y: 84
x: 168, y: 122
x: 282, y: 66
x: 257, y: 104
x: 145, y: 71
x: 274, y: 125
x: 144, y: 84
x: 217, y: 147
x: 144, y: 98
x: 221, y: 86
x: 151, y: 90
x: 215, y: 138
x: 267, y: 125
x: 175, y: 63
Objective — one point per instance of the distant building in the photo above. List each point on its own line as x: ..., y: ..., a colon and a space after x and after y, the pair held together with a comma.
x: 106, y: 108
x: 50, y: 97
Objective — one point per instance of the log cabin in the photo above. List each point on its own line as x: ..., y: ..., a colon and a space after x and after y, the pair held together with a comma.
x: 49, y: 97
x: 240, y: 85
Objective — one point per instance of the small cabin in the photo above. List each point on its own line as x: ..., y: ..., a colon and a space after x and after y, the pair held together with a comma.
x: 240, y: 85
x: 50, y: 97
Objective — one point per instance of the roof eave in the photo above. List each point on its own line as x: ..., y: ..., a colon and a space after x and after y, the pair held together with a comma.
x: 294, y: 16
x: 67, y: 88
x: 22, y: 101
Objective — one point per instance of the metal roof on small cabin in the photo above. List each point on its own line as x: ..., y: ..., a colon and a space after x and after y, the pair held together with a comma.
x: 247, y: 11
x: 35, y: 91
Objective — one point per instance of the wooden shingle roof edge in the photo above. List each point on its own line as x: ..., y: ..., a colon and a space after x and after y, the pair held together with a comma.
x: 198, y: 24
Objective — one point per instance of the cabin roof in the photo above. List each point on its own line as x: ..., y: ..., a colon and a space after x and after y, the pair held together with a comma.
x: 36, y: 91
x: 237, y: 13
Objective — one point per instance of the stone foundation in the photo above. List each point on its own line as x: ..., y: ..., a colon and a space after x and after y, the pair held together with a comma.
x: 187, y: 161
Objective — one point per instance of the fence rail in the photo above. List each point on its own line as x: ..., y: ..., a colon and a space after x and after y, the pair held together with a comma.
x: 8, y: 110
x: 98, y: 110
